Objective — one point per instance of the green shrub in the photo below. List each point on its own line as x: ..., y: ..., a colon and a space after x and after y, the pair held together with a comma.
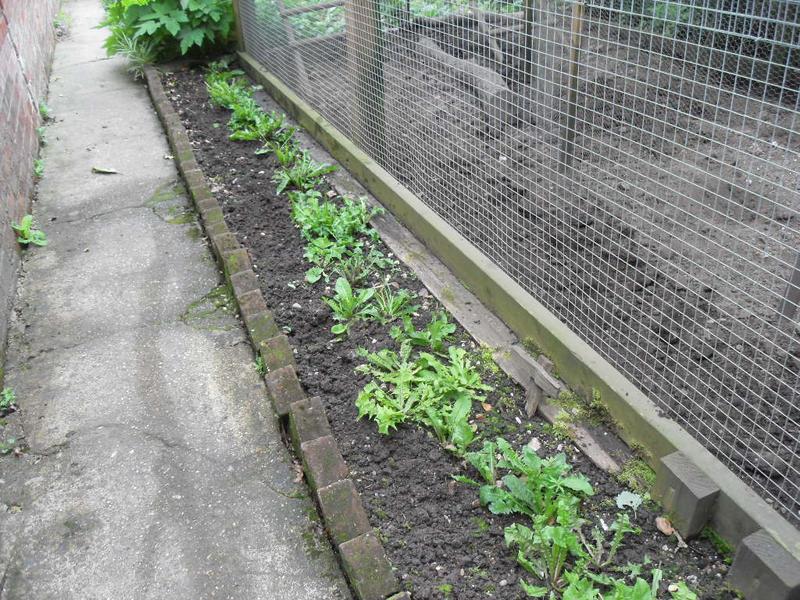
x: 167, y: 28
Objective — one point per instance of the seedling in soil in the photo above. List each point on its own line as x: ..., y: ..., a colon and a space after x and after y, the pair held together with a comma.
x: 390, y: 306
x: 347, y: 305
x: 264, y: 128
x: 323, y: 252
x: 246, y: 115
x: 44, y: 111
x: 451, y: 424
x: 601, y: 553
x: 226, y: 92
x: 322, y: 218
x: 432, y: 336
x: 27, y: 232
x: 38, y: 168
x: 405, y: 390
x: 305, y: 174
x: 285, y: 151
x: 356, y: 268
x: 533, y: 487
x: 543, y: 551
x: 219, y: 69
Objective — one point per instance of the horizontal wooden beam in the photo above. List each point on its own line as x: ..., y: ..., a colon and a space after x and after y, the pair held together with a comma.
x: 299, y: 10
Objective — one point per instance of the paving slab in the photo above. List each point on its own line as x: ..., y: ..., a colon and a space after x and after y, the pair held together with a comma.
x: 153, y: 465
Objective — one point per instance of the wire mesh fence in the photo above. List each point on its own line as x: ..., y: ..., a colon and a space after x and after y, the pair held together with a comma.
x: 633, y: 164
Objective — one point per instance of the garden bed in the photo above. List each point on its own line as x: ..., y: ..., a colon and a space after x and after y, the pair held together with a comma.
x: 441, y: 541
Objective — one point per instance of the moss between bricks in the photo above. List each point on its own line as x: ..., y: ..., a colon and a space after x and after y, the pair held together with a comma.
x: 201, y: 313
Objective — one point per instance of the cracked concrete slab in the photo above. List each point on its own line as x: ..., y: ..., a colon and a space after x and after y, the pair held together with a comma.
x: 153, y: 467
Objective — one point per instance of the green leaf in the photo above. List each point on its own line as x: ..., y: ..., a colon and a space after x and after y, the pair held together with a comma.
x: 626, y: 499
x: 147, y: 28
x: 484, y: 461
x: 343, y: 288
x: 104, y: 171
x: 578, y: 483
x: 533, y: 591
x: 191, y: 38
x: 498, y: 501
x: 683, y: 592
x: 465, y: 480
x: 314, y: 274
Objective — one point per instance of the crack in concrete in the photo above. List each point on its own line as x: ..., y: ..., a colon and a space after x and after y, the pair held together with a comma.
x: 100, y: 214
x: 12, y: 363
x: 183, y: 447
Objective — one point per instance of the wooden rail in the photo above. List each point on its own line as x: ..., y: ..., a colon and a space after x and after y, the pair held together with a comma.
x: 299, y: 10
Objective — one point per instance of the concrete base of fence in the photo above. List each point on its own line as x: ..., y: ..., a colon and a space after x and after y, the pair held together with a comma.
x: 764, y: 570
x: 738, y: 511
x: 688, y: 494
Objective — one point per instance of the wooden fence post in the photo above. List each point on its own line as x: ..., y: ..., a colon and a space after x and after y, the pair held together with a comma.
x: 567, y: 153
x: 237, y: 16
x: 365, y: 67
x: 531, y: 16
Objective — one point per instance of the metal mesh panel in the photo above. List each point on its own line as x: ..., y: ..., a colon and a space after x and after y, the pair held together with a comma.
x: 633, y: 164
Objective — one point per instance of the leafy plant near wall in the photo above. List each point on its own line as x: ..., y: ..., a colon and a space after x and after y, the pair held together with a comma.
x: 552, y: 546
x: 149, y: 30
x: 27, y: 233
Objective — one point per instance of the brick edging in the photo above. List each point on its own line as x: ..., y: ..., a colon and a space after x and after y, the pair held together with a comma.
x: 360, y: 551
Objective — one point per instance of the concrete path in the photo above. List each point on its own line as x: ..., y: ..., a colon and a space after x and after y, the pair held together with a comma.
x: 154, y: 468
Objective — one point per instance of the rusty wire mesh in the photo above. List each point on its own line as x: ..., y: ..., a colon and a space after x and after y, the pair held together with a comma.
x: 632, y: 164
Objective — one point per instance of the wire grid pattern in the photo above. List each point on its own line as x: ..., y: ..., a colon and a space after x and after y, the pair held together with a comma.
x: 633, y: 164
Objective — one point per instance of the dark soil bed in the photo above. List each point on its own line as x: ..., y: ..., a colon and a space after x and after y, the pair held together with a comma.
x: 441, y: 542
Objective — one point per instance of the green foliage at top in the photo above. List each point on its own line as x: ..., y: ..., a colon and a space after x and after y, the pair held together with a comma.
x: 393, y: 13
x: 27, y: 233
x: 168, y: 27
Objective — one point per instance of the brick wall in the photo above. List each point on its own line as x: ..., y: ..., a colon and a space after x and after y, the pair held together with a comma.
x: 27, y: 38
